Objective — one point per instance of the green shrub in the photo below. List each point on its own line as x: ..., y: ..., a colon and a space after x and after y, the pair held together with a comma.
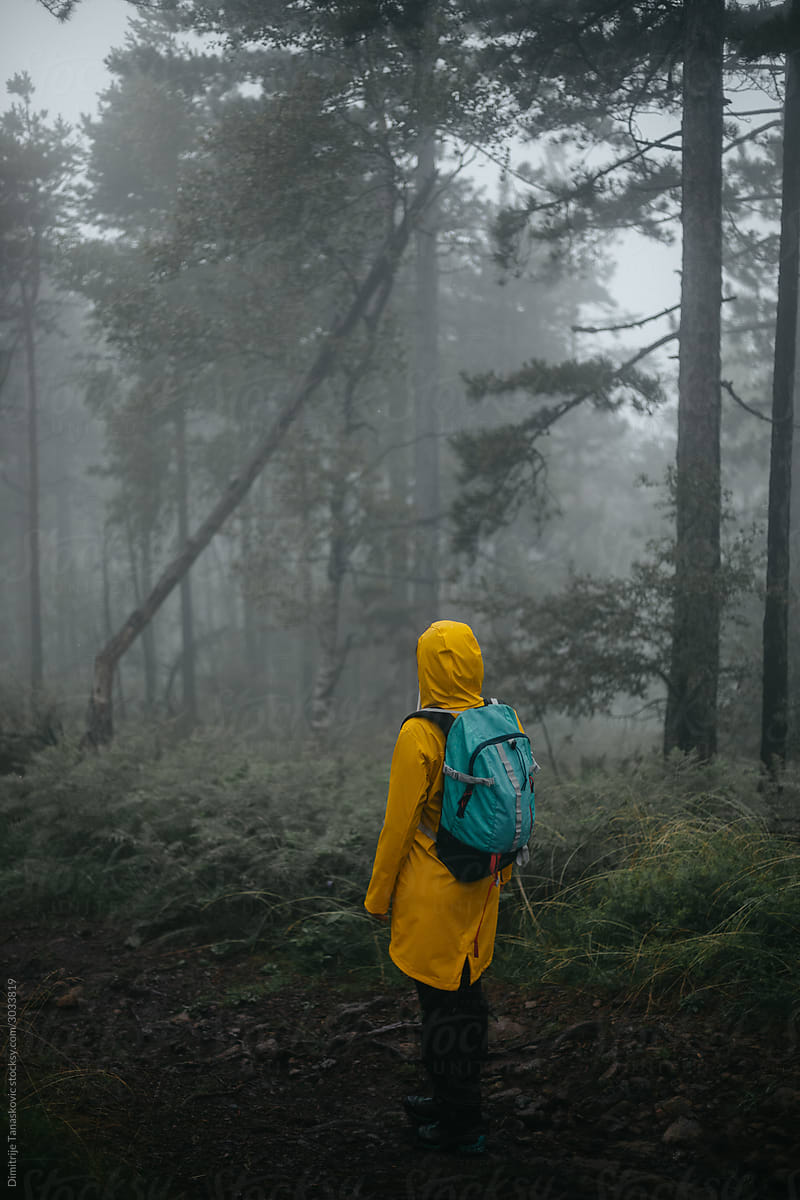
x: 693, y: 893
x: 206, y: 835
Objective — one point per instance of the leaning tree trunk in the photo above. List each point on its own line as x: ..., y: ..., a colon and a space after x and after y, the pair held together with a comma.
x: 368, y: 302
x: 691, y: 719
x: 775, y: 688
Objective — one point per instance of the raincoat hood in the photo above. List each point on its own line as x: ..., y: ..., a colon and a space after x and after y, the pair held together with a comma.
x: 449, y: 666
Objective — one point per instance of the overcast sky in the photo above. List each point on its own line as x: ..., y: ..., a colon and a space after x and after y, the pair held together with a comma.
x: 64, y: 59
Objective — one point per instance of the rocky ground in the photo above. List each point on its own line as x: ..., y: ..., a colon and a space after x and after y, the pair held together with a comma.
x: 181, y: 1075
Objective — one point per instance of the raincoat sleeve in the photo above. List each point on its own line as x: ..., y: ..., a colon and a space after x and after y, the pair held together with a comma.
x: 409, y: 783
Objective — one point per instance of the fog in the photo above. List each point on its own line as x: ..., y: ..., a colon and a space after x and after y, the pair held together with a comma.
x: 183, y: 298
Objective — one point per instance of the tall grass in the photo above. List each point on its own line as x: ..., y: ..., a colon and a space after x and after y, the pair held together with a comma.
x: 669, y: 883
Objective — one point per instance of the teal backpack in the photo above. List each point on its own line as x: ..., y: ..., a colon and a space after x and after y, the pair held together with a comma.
x: 488, y: 800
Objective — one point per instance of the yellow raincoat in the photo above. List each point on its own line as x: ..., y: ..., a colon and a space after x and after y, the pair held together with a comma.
x: 437, y: 922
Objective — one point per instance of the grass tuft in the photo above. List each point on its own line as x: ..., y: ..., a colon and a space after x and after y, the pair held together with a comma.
x: 674, y: 889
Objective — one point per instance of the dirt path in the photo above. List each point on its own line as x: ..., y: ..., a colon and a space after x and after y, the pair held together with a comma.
x: 188, y: 1077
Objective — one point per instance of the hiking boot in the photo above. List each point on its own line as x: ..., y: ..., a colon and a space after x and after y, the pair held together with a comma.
x: 421, y: 1108
x: 443, y: 1137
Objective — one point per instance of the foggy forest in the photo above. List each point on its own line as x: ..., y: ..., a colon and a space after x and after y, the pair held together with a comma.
x: 333, y: 320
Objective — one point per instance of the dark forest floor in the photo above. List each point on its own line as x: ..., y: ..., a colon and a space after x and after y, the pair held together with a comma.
x: 185, y: 1076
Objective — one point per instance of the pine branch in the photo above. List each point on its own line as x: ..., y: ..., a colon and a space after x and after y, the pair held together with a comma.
x: 669, y: 337
x: 60, y: 9
x: 752, y: 133
x: 589, y: 182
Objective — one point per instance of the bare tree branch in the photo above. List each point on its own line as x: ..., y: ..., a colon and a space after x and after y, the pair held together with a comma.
x: 637, y: 324
x: 754, y: 412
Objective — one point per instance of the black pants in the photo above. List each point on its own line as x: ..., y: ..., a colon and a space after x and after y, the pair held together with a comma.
x: 455, y: 1035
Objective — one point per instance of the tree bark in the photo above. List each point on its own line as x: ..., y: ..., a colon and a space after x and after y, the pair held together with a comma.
x: 691, y: 718
x: 372, y: 292
x: 775, y: 686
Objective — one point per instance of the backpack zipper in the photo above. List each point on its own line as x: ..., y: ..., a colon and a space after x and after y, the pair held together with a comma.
x: 503, y: 737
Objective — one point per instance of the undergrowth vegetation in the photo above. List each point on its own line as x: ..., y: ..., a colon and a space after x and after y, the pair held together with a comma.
x: 663, y: 879
x: 201, y: 840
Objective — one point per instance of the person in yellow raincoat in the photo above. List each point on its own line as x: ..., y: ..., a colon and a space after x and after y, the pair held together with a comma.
x: 442, y: 930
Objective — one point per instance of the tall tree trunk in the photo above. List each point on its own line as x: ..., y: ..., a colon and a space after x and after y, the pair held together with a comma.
x: 108, y: 623
x: 187, y: 622
x: 140, y: 584
x: 17, y: 629
x: 332, y: 654
x: 793, y: 731
x: 399, y: 558
x: 426, y: 405
x: 34, y: 561
x: 400, y: 564
x: 775, y: 688
x: 148, y: 634
x: 66, y: 577
x: 691, y: 719
x: 368, y: 301
x: 266, y: 672
x: 250, y: 641
x: 306, y: 657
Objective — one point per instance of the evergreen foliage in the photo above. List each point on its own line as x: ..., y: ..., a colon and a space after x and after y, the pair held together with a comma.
x: 598, y: 642
x: 502, y: 469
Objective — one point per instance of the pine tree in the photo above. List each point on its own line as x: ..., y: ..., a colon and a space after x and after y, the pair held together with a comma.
x: 691, y: 717
x: 36, y: 161
x: 775, y: 693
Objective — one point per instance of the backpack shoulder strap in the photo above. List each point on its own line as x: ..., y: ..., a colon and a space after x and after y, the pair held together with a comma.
x: 437, y: 716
